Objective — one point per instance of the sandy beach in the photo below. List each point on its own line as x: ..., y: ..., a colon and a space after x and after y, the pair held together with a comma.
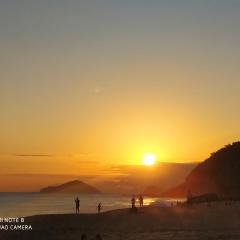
x: 218, y: 221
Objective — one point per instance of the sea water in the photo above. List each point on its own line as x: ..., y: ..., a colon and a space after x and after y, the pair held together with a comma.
x: 28, y: 204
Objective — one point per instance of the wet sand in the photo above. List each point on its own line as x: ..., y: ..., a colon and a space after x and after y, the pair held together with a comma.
x: 218, y: 221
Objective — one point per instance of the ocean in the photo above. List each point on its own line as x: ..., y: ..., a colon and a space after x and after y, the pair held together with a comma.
x: 28, y: 204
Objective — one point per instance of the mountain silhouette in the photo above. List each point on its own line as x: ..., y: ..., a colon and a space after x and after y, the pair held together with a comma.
x: 219, y: 174
x: 152, y: 191
x: 71, y: 187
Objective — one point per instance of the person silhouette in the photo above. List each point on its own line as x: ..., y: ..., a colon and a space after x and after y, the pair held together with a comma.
x: 77, y: 204
x: 99, y: 207
x: 133, y: 201
x: 141, y: 201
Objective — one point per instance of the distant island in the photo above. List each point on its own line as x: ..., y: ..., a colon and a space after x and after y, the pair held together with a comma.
x: 219, y: 174
x: 75, y: 186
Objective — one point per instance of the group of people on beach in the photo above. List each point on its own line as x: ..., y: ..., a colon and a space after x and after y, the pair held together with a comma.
x: 99, y: 206
x: 77, y: 206
x: 133, y: 201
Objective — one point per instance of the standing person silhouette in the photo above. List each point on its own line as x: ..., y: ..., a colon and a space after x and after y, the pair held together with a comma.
x: 133, y: 202
x: 99, y: 207
x: 141, y: 201
x: 77, y: 204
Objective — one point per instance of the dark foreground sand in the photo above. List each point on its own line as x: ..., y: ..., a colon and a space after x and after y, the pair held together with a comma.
x: 151, y: 223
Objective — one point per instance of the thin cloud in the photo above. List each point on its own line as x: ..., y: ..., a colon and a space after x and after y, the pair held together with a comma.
x: 87, y: 162
x: 79, y: 155
x: 43, y: 175
x: 33, y: 155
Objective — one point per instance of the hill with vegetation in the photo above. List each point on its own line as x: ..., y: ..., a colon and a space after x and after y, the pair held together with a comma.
x: 219, y: 174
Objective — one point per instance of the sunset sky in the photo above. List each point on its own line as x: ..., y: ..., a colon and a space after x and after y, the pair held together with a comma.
x: 87, y: 85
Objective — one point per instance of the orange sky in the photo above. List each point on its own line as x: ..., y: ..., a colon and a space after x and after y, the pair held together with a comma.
x: 86, y: 86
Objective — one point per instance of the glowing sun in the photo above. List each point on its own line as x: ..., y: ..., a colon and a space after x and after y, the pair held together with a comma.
x: 149, y: 159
